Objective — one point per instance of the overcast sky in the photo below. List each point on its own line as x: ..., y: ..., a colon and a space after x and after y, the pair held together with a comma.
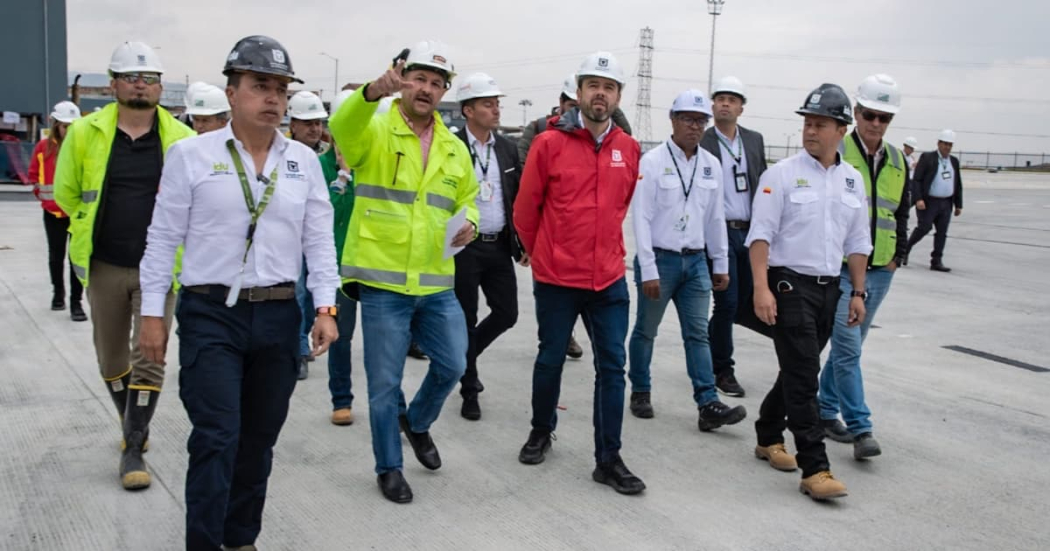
x: 980, y: 68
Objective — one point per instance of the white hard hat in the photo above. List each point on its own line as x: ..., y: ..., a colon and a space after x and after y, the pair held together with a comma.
x: 339, y: 99
x: 433, y: 55
x: 570, y: 86
x: 947, y: 136
x: 207, y: 100
x: 692, y: 100
x: 134, y: 57
x: 881, y: 93
x: 478, y: 85
x: 601, y: 64
x: 306, y: 106
x: 192, y: 90
x: 729, y: 85
x: 912, y: 142
x: 65, y: 111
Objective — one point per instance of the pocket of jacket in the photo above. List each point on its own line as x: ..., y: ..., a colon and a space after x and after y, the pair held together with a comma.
x: 385, y: 226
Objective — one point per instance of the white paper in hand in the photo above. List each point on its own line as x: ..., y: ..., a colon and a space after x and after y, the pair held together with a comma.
x: 451, y: 229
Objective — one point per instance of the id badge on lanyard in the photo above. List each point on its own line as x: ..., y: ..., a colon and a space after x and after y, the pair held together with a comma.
x: 741, y: 180
x: 254, y: 209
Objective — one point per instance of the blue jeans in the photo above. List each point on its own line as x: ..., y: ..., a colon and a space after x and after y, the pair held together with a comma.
x: 728, y: 303
x: 389, y: 321
x: 306, y: 304
x: 339, y: 361
x: 685, y: 280
x: 605, y: 316
x: 841, y: 384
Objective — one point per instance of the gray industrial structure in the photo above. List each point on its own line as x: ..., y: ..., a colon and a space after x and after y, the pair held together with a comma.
x: 35, y: 39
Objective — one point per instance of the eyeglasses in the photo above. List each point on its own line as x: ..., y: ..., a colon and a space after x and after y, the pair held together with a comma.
x: 696, y: 122
x: 132, y: 78
x: 870, y: 116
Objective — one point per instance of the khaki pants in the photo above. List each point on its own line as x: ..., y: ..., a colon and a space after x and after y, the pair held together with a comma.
x: 116, y: 303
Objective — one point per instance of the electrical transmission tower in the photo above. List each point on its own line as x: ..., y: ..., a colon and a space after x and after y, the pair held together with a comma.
x: 643, y: 127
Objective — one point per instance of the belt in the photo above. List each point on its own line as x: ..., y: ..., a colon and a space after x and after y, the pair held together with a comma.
x: 281, y: 291
x: 489, y: 237
x: 683, y: 252
x: 819, y: 280
x: 739, y: 224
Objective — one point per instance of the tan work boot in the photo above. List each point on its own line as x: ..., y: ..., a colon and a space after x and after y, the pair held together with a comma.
x: 822, y: 485
x: 343, y: 416
x: 778, y: 457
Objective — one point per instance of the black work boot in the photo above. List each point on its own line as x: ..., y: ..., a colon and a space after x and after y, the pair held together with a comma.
x: 141, y: 405
x: 58, y: 299
x: 641, y: 405
x: 118, y: 390
x: 76, y: 311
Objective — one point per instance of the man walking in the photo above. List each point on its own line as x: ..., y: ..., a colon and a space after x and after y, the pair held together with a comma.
x: 939, y: 181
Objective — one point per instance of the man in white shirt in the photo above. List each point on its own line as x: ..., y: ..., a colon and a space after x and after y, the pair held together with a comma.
x: 938, y: 179
x: 248, y: 204
x: 808, y: 214
x: 679, y: 222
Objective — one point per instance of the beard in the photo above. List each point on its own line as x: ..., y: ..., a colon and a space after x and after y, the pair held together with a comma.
x: 137, y: 103
x: 591, y: 115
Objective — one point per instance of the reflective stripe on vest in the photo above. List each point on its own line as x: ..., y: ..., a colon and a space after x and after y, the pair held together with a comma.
x: 79, y: 270
x: 885, y: 195
x: 441, y: 202
x: 384, y: 193
x: 89, y: 196
x: 432, y: 280
x: 40, y: 176
x: 372, y: 274
x: 46, y: 192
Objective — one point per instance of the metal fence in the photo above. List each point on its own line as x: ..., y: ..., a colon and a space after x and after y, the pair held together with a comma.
x: 967, y: 159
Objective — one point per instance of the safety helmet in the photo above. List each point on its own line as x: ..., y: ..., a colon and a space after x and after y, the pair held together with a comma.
x: 601, y: 64
x: 730, y: 85
x: 65, y: 111
x: 431, y: 55
x: 692, y: 100
x: 568, y: 88
x: 881, y: 93
x: 192, y: 90
x: 947, y: 136
x: 134, y: 57
x: 339, y: 99
x: 911, y: 142
x: 260, y: 54
x: 306, y: 106
x: 207, y: 100
x: 478, y: 85
x: 828, y: 100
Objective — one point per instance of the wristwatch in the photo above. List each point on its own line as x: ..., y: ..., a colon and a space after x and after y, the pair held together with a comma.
x: 862, y: 294
x: 328, y: 311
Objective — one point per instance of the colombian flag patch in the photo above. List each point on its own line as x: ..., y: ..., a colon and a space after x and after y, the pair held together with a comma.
x: 767, y: 190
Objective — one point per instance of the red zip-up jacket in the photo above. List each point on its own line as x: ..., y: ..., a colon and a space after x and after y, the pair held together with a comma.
x: 42, y: 176
x: 572, y: 201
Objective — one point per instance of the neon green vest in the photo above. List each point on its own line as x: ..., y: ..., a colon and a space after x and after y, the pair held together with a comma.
x: 884, y: 200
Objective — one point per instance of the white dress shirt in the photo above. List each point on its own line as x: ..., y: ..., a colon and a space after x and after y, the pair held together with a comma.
x: 490, y: 190
x: 664, y: 218
x: 811, y: 216
x: 943, y: 184
x: 737, y: 203
x: 201, y: 204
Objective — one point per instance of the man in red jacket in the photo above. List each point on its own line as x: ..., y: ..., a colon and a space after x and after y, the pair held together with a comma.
x: 577, y: 185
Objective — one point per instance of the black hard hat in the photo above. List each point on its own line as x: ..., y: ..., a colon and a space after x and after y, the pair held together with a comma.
x: 260, y: 54
x: 828, y: 100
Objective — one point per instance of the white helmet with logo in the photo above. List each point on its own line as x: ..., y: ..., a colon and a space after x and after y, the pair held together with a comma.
x: 912, y: 142
x: 192, y: 90
x: 65, y: 111
x: 306, y: 106
x: 207, y: 100
x: 601, y: 64
x: 692, y: 100
x: 569, y: 87
x: 730, y: 85
x: 478, y: 85
x: 881, y: 93
x: 947, y: 136
x: 432, y: 55
x: 134, y: 57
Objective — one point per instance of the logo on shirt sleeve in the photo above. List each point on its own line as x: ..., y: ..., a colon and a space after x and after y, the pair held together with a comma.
x: 767, y: 190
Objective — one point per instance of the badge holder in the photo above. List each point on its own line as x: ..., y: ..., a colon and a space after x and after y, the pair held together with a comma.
x: 741, y: 181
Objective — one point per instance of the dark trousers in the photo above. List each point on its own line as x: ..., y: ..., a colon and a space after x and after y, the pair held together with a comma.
x: 57, y: 231
x: 938, y: 214
x: 736, y: 298
x: 485, y: 264
x: 805, y: 317
x: 239, y: 368
x: 605, y: 314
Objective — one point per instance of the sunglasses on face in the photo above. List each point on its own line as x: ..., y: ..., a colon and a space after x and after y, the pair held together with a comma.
x: 870, y: 116
x: 132, y: 78
x: 695, y: 122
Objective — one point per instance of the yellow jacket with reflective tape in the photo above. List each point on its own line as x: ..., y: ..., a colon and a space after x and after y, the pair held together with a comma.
x: 81, y: 172
x: 885, y: 197
x: 396, y: 236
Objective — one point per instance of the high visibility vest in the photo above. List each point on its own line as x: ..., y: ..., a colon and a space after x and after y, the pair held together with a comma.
x: 884, y: 199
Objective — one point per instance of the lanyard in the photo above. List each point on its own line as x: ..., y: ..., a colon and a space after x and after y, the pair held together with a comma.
x: 488, y: 160
x: 254, y: 209
x: 944, y: 163
x: 729, y: 147
x: 696, y: 162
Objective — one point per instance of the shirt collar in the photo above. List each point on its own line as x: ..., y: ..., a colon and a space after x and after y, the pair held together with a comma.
x: 280, y: 142
x: 735, y: 138
x: 408, y: 121
x: 579, y: 119
x: 678, y: 150
x: 476, y: 142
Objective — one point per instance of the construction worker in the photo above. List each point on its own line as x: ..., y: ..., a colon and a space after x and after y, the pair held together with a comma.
x: 306, y: 115
x: 208, y: 107
x: 575, y: 191
x: 911, y: 146
x: 808, y: 215
x: 237, y: 316
x: 56, y: 222
x: 106, y: 179
x: 938, y: 180
x: 414, y: 178
x: 679, y: 224
x: 742, y: 153
x: 488, y: 261
x: 885, y: 173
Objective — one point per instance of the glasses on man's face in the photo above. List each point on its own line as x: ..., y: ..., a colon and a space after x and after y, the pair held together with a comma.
x: 870, y: 116
x: 695, y: 122
x: 132, y: 78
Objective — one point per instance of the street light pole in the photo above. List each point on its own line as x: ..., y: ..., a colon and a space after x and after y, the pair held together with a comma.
x: 714, y: 7
x: 335, y: 88
x: 525, y: 104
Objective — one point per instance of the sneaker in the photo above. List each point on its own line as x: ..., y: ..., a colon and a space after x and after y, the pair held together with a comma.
x: 76, y: 311
x: 777, y: 456
x: 58, y: 302
x: 343, y: 416
x: 414, y: 351
x: 574, y: 351
x: 865, y: 446
x: 716, y: 414
x: 726, y: 384
x: 535, y: 449
x: 835, y: 430
x: 640, y: 405
x: 938, y: 267
x: 615, y: 474
x: 822, y: 485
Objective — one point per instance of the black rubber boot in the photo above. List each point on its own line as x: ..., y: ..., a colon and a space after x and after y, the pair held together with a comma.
x: 118, y: 390
x: 141, y: 405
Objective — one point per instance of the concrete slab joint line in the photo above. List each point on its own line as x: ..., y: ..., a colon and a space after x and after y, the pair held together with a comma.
x: 996, y: 358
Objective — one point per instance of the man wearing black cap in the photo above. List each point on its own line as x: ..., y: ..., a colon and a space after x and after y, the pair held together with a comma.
x: 249, y: 204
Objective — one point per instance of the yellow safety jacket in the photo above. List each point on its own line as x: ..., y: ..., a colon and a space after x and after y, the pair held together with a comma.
x: 81, y: 173
x: 884, y: 198
x: 396, y: 237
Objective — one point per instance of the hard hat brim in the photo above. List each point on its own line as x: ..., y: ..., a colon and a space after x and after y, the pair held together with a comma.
x: 205, y: 112
x: 606, y: 76
x: 60, y: 118
x: 878, y: 106
x: 309, y: 116
x: 496, y: 94
x: 422, y: 65
x: 261, y: 71
x: 804, y: 112
x: 742, y: 97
